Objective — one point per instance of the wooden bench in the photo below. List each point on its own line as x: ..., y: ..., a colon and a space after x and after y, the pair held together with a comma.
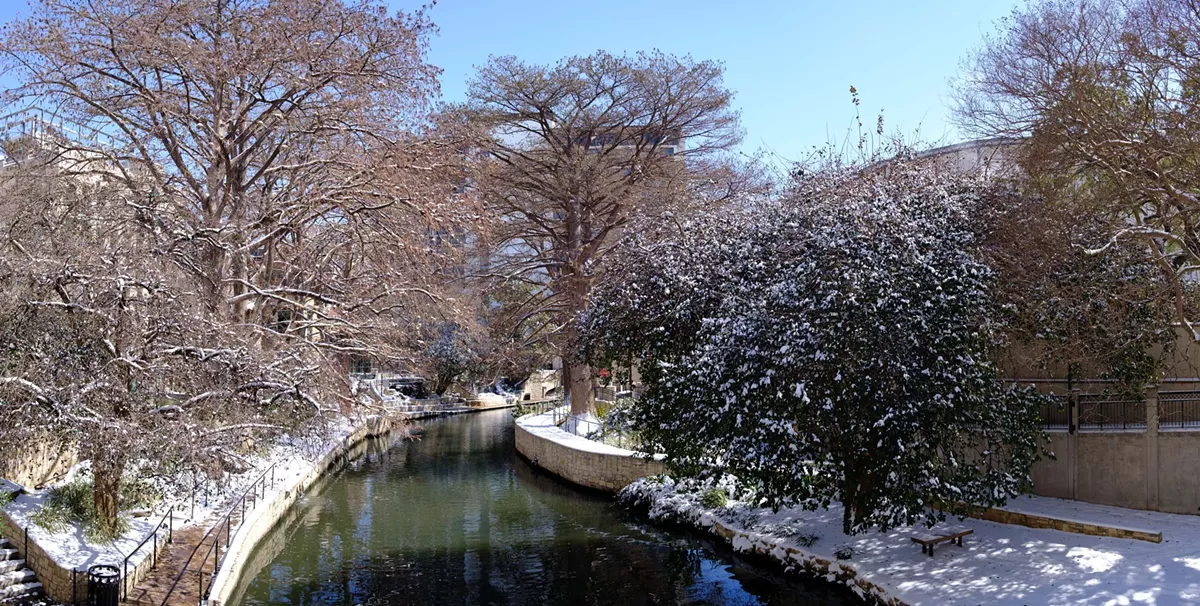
x: 934, y: 536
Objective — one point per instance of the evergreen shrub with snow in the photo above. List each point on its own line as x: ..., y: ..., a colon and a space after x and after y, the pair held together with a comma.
x: 832, y: 346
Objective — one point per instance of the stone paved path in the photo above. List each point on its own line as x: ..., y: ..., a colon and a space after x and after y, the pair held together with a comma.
x: 185, y: 553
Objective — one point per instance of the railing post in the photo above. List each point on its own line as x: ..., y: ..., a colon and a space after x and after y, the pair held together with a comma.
x: 1152, y: 409
x: 1073, y: 410
x: 1151, y: 473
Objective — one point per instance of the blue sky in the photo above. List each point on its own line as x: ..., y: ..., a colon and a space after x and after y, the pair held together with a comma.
x: 791, y: 63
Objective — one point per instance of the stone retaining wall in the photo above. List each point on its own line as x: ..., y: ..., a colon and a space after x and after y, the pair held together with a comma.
x: 37, y: 460
x: 1036, y: 521
x: 274, y: 507
x: 63, y: 584
x: 579, y: 461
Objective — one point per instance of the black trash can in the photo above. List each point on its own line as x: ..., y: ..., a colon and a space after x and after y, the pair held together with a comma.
x: 104, y: 585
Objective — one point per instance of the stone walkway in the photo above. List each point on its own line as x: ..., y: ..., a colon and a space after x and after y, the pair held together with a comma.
x: 165, y: 584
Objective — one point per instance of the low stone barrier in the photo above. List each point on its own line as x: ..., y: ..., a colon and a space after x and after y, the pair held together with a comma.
x: 1036, y: 521
x: 270, y: 510
x: 579, y: 460
x: 63, y: 584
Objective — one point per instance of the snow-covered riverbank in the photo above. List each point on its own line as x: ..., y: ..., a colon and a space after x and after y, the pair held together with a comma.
x: 999, y: 563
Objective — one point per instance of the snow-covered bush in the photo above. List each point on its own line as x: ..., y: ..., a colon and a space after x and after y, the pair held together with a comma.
x: 832, y: 346
x: 452, y: 353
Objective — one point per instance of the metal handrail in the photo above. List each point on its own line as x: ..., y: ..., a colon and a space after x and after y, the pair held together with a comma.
x: 215, y: 548
x: 560, y: 415
x: 168, y: 519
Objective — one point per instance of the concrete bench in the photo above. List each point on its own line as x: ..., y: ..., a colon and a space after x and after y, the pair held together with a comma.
x: 927, y: 539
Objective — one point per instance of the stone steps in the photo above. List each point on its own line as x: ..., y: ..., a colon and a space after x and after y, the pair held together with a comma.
x: 17, y: 582
x: 22, y: 590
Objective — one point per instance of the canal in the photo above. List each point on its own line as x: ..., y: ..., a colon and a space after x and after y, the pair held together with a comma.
x: 457, y: 518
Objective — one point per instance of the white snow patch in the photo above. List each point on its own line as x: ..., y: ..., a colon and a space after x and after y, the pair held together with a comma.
x: 998, y: 564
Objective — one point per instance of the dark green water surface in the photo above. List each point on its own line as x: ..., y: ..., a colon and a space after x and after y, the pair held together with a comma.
x: 457, y: 518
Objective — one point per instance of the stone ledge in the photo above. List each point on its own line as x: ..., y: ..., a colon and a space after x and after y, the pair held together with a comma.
x: 1035, y: 521
x: 606, y: 469
x: 267, y: 512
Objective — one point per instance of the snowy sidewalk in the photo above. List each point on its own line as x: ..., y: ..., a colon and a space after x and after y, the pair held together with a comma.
x: 999, y: 563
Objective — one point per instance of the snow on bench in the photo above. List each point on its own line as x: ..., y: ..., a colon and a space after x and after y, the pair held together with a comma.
x: 939, y: 534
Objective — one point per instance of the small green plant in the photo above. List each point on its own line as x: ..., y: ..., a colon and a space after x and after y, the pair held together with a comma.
x: 808, y: 539
x: 65, y: 505
x: 73, y: 504
x: 845, y: 553
x: 6, y: 498
x: 714, y: 498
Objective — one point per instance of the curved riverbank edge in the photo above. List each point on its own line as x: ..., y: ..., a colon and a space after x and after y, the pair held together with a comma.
x: 663, y: 505
x: 279, y: 499
x: 578, y: 460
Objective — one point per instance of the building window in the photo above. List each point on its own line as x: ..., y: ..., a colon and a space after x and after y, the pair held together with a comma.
x: 360, y: 365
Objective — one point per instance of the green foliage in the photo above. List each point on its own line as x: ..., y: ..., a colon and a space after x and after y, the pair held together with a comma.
x: 452, y: 353
x: 844, y: 553
x: 833, y: 347
x: 6, y: 498
x: 73, y: 504
x: 1068, y: 312
x: 714, y: 498
x: 806, y: 539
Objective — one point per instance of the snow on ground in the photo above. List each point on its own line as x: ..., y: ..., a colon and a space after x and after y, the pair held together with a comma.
x: 999, y: 564
x: 292, y: 457
x: 542, y: 425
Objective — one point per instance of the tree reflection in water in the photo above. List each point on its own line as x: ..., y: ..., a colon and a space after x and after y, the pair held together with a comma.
x: 456, y: 518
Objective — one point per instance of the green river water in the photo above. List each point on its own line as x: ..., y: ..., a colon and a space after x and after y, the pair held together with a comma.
x: 457, y: 518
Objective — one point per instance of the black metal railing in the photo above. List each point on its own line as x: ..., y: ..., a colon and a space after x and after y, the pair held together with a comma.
x: 1179, y: 409
x: 606, y: 394
x: 1109, y: 412
x: 252, y: 496
x: 605, y: 430
x: 256, y: 492
x: 1056, y: 415
x: 554, y: 406
x: 435, y: 404
x: 166, y: 523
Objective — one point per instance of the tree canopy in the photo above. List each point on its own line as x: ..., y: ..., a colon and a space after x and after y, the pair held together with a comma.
x: 832, y: 346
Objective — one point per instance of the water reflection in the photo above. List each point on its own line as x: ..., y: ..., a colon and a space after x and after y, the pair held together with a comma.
x: 456, y: 518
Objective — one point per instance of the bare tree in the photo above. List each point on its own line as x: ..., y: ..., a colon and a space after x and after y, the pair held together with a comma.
x: 1105, y: 92
x: 256, y: 195
x: 574, y: 150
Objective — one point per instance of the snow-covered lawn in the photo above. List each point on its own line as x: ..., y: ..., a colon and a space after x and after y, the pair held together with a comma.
x: 999, y: 563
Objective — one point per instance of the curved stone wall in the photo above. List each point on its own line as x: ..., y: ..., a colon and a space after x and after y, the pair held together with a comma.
x: 579, y: 460
x: 269, y: 511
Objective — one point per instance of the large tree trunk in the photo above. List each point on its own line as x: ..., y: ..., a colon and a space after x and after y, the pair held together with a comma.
x: 579, y: 379
x: 581, y: 388
x: 107, y: 467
